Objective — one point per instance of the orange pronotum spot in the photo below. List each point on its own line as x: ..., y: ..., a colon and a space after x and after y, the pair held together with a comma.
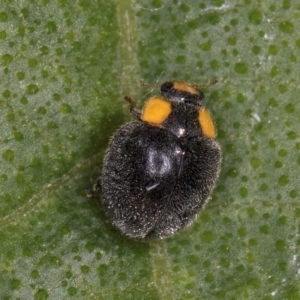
x: 156, y: 111
x: 182, y: 86
x: 206, y: 123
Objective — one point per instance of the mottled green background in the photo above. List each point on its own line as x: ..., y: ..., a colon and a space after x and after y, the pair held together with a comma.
x: 65, y: 67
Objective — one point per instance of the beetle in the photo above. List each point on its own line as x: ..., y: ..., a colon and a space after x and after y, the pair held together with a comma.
x: 159, y: 170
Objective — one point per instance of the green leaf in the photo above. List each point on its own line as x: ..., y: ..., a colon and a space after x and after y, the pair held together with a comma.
x: 65, y: 68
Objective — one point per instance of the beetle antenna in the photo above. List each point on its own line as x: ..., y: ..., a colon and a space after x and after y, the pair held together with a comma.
x: 208, y: 85
x: 155, y: 85
x: 150, y: 85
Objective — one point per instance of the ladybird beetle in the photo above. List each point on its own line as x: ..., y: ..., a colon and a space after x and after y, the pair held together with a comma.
x: 159, y: 170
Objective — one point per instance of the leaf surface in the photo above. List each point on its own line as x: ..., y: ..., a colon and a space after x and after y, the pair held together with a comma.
x: 65, y: 68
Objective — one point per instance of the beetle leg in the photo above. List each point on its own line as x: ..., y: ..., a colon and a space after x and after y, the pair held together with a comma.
x: 95, y: 190
x: 135, y: 112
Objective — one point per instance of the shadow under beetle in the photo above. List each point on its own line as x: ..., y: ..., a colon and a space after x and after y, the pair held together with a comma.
x: 159, y: 170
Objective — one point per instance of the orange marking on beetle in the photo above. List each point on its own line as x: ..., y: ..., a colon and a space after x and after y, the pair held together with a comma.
x: 206, y: 123
x: 182, y: 86
x: 156, y: 110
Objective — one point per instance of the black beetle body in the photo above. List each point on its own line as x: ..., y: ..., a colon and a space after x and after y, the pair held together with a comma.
x: 159, y: 171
